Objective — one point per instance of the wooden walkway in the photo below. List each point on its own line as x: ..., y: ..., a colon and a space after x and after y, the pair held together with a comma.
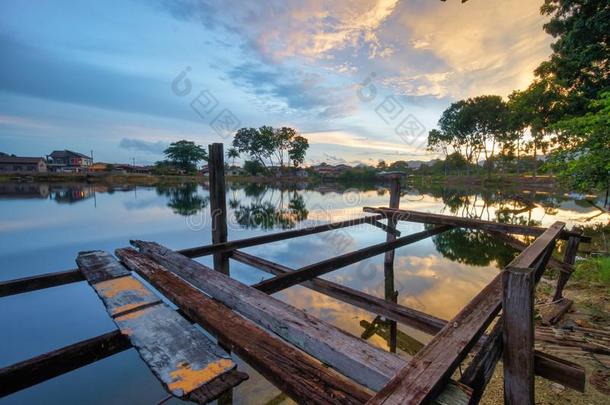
x: 309, y: 359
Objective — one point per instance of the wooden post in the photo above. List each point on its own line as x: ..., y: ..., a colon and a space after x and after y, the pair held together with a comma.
x: 568, y: 258
x: 518, y: 334
x: 218, y: 204
x: 388, y: 263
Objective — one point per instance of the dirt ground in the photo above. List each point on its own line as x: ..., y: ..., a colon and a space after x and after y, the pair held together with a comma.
x: 591, y: 309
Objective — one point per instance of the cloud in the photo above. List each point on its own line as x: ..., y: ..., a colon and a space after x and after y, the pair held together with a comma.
x: 156, y: 148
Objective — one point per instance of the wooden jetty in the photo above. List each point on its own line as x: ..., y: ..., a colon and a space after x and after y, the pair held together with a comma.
x: 308, y: 359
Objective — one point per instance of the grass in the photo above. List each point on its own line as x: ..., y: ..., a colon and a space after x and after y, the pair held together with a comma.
x: 593, y: 270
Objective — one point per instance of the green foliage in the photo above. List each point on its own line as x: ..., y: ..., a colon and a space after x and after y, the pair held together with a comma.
x: 253, y: 168
x: 580, y: 60
x: 362, y: 174
x: 271, y: 146
x: 583, y: 160
x: 185, y: 155
x: 594, y: 270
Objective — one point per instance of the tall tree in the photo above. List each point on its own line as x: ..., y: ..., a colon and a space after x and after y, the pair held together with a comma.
x: 232, y: 154
x: 580, y: 62
x: 186, y: 154
x: 270, y: 146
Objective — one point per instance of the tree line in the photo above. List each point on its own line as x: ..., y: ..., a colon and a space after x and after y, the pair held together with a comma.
x: 564, y: 113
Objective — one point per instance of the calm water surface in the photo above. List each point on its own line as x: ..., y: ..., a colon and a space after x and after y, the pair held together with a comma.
x: 44, y: 226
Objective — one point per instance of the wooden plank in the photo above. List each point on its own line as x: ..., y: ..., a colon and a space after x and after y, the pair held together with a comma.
x: 386, y: 228
x: 569, y: 258
x: 407, y: 316
x: 99, y: 266
x: 41, y: 368
x: 520, y: 246
x: 274, y: 237
x: 368, y: 365
x: 432, y: 367
x: 390, y: 293
x: 295, y: 373
x: 317, y: 269
x: 218, y: 204
x: 518, y: 335
x: 439, y: 219
x: 39, y: 282
x: 175, y: 351
x: 561, y: 371
x: 182, y: 358
x: 552, y: 312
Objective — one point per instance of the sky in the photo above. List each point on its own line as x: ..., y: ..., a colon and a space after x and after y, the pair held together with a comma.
x: 362, y: 80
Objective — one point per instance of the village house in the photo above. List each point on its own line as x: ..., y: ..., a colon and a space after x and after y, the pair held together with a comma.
x: 18, y: 164
x: 326, y: 170
x: 69, y: 161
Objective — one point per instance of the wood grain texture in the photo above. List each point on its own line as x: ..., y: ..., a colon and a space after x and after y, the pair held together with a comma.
x: 407, y: 316
x: 349, y: 355
x: 518, y: 335
x: 39, y: 282
x: 218, y: 204
x: 41, y: 368
x: 274, y: 237
x: 317, y: 269
x: 288, y: 368
x: 432, y: 367
x: 180, y: 356
x: 439, y: 219
x: 569, y: 259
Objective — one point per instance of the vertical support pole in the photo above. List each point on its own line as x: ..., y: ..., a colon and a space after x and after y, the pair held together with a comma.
x: 518, y: 335
x: 569, y: 257
x: 388, y: 262
x: 218, y: 204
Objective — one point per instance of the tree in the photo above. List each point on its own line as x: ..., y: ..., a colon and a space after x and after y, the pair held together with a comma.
x: 233, y: 154
x: 298, y: 149
x: 382, y: 165
x: 185, y: 155
x: 583, y: 160
x: 270, y: 146
x: 253, y: 167
x: 580, y: 62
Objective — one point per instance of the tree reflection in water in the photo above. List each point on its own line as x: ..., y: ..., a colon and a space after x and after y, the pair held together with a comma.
x: 183, y: 199
x: 268, y: 210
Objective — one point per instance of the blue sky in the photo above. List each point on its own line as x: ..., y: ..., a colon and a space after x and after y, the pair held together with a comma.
x: 362, y: 80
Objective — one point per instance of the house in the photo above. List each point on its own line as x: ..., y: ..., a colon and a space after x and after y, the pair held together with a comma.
x: 235, y: 171
x: 98, y: 167
x: 69, y: 161
x: 326, y: 170
x: 301, y: 173
x: 18, y: 164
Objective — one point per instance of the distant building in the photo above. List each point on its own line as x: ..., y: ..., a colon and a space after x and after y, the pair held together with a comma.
x: 98, y: 167
x: 235, y: 171
x: 301, y: 173
x: 18, y: 164
x: 69, y: 161
x: 326, y: 170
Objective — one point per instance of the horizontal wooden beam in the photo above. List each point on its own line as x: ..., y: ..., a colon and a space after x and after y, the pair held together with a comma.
x: 429, y: 370
x: 41, y: 368
x: 404, y: 315
x: 33, y: 283
x: 317, y: 269
x: 439, y: 219
x: 364, y: 363
x: 274, y: 237
x: 288, y: 368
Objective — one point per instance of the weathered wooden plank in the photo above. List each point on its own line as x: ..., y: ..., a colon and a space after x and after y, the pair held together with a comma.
x: 349, y: 355
x: 559, y: 370
x: 518, y: 335
x: 431, y: 368
x: 182, y: 358
x: 41, y: 368
x: 386, y: 228
x: 177, y: 353
x: 439, y: 219
x: 569, y: 258
x: 274, y: 237
x: 295, y: 373
x: 552, y: 312
x: 39, y: 282
x: 99, y: 266
x: 390, y: 293
x: 218, y: 204
x: 124, y: 294
x: 317, y: 269
x: 407, y: 316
